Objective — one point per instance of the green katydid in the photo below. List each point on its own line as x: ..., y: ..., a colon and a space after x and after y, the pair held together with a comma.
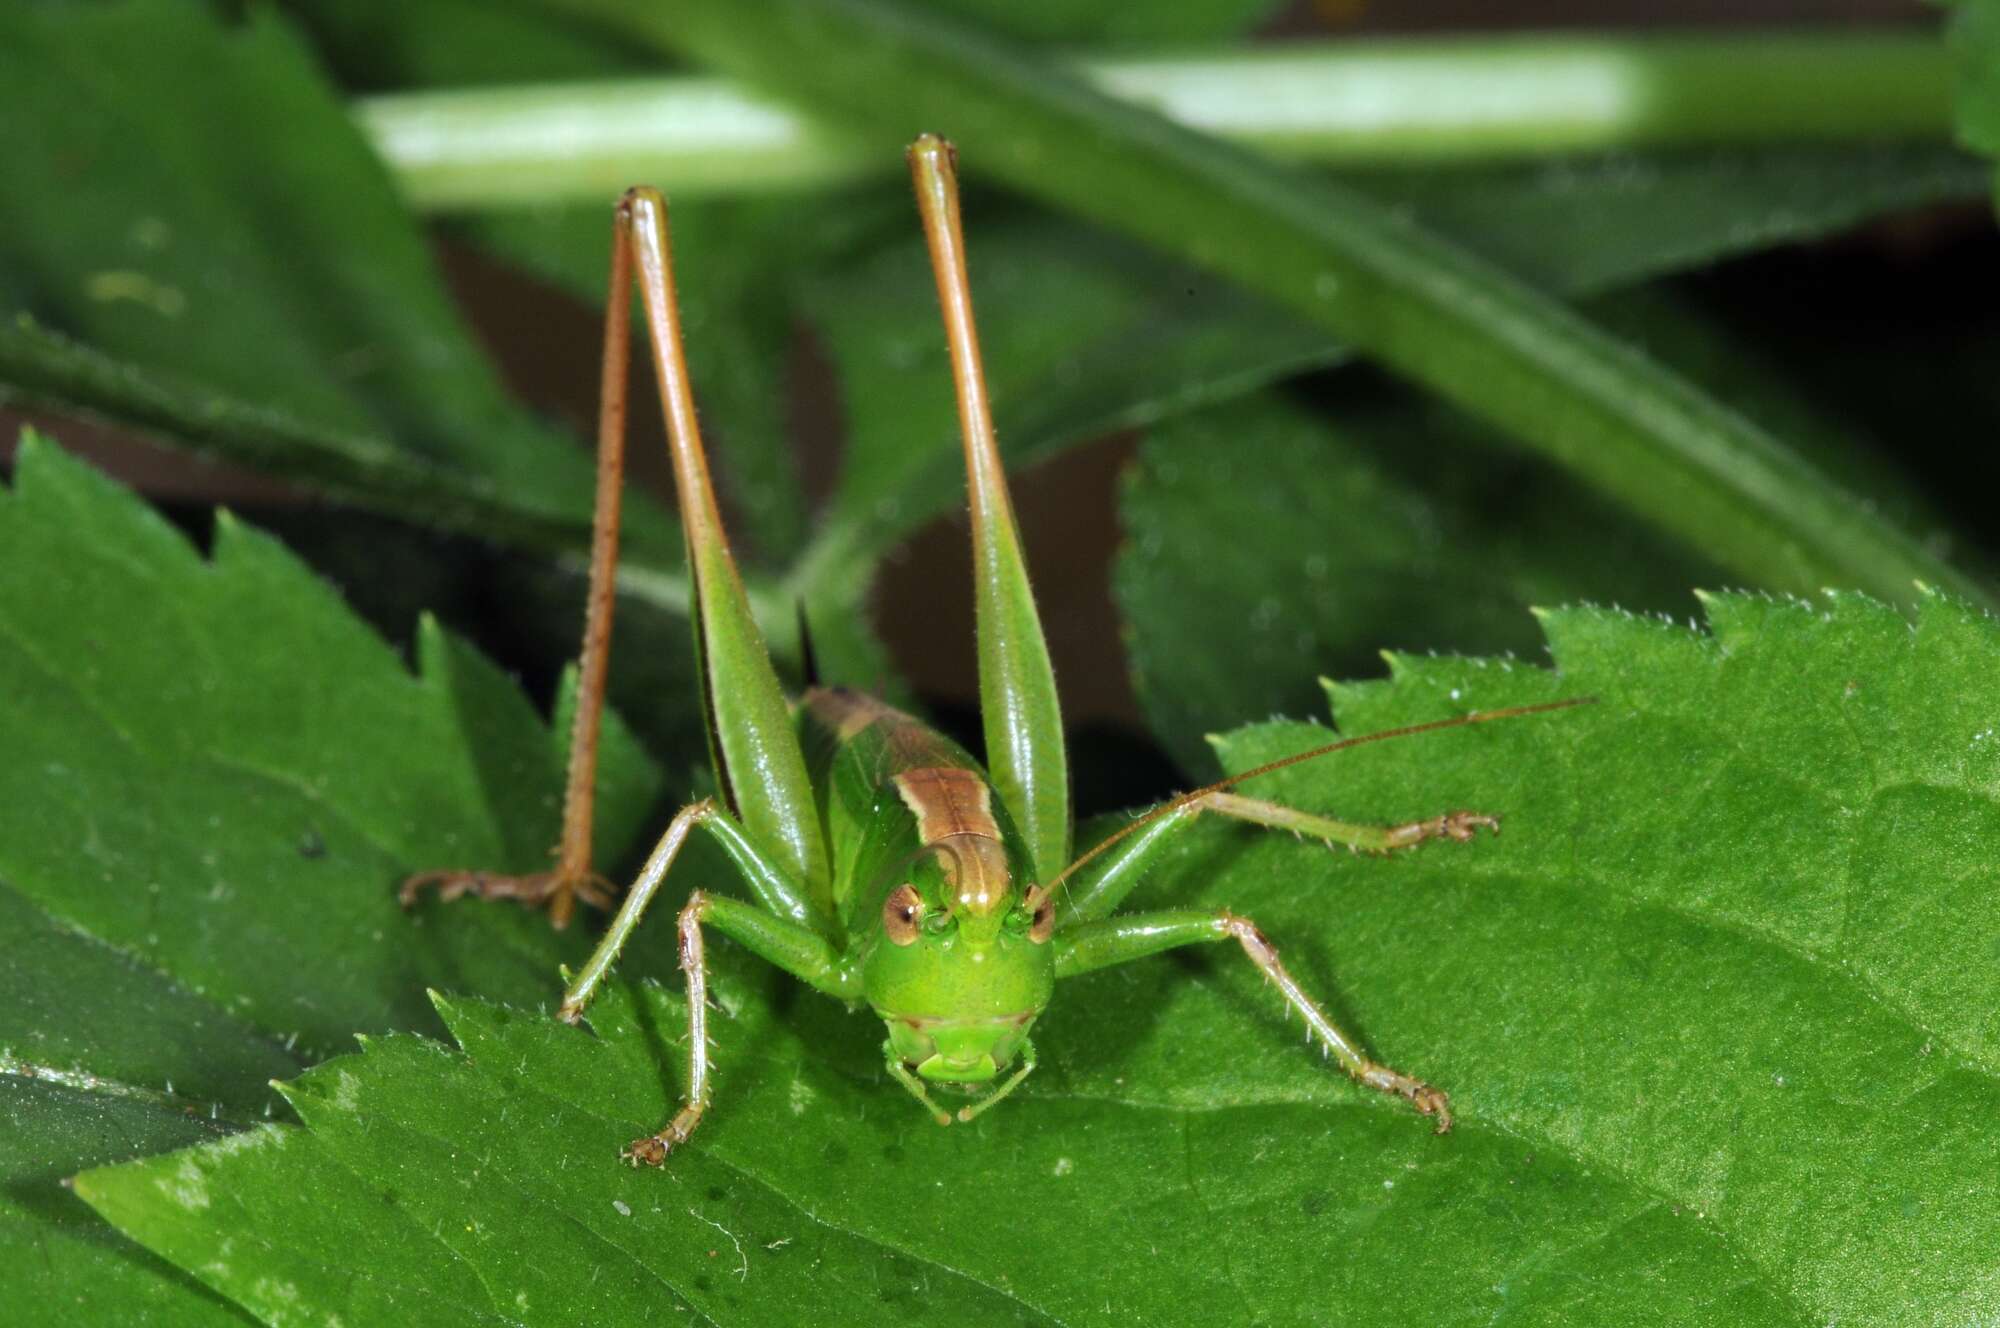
x: 888, y: 867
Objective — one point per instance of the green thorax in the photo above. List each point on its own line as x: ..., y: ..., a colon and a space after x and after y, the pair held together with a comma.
x: 910, y: 814
x: 886, y: 782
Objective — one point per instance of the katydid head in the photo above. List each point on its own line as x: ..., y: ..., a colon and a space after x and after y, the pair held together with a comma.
x: 962, y: 965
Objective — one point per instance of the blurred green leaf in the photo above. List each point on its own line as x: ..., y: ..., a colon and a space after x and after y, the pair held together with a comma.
x: 1974, y: 28
x: 1422, y: 306
x: 1113, y: 22
x: 1588, y: 224
x: 1083, y: 335
x: 1711, y: 1009
x: 390, y: 44
x: 222, y: 261
x: 389, y: 435
x: 1381, y: 521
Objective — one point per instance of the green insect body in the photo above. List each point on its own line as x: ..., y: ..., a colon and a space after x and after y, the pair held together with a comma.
x: 929, y: 873
x: 885, y: 866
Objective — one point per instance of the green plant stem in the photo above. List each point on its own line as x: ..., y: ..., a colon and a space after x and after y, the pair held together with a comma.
x: 1354, y: 102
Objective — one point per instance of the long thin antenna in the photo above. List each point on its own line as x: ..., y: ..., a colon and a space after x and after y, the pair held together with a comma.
x: 1173, y: 805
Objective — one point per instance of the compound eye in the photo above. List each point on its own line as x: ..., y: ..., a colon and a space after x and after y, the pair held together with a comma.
x: 902, y: 911
x: 1041, y: 906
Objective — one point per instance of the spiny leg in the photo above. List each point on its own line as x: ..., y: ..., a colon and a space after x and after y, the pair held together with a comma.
x: 1098, y: 882
x: 1457, y: 825
x: 798, y: 950
x: 764, y: 929
x: 637, y: 900
x: 653, y: 1149
x: 1092, y: 885
x: 572, y: 878
x: 1112, y: 941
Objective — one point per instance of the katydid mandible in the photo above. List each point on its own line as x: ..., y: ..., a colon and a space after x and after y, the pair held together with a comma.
x: 886, y: 865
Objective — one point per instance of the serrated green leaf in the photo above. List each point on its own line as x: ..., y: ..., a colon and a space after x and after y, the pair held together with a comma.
x: 1712, y: 1009
x: 215, y: 768
x: 214, y: 779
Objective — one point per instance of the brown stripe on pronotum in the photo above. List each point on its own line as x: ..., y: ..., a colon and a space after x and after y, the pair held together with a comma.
x: 954, y: 811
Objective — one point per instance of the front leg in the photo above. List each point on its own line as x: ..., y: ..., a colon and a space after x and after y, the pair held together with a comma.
x: 1113, y: 941
x: 778, y: 932
x: 1459, y: 826
x: 803, y: 953
x: 1098, y: 882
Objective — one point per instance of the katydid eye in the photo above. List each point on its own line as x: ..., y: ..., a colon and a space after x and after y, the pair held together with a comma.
x: 1041, y: 906
x: 902, y: 911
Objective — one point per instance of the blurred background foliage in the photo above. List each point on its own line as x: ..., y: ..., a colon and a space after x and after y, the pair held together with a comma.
x: 346, y: 280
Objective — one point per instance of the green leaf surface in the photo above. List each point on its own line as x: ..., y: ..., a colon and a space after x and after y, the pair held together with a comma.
x: 55, y: 1254
x: 224, y: 262
x: 1402, y: 294
x: 1711, y: 1009
x: 1381, y: 521
x: 1388, y: 525
x: 214, y: 779
x: 390, y: 44
x: 1112, y: 22
x: 1974, y: 29
x: 1581, y: 225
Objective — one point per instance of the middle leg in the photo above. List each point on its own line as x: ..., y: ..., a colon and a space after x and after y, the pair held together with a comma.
x: 1115, y: 868
x: 1113, y: 941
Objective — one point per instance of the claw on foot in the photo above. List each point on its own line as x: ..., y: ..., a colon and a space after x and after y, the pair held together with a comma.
x: 1457, y: 826
x: 653, y: 1149
x: 555, y: 889
x: 1432, y: 1102
x: 1427, y: 1100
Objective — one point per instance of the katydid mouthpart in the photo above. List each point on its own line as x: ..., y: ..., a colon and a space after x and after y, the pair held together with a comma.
x: 886, y: 865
